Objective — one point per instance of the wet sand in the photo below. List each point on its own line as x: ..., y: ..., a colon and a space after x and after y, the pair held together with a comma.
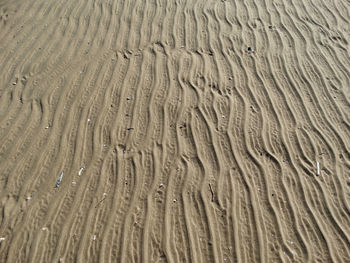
x: 185, y: 131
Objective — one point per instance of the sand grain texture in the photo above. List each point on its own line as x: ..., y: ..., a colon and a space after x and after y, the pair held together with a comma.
x: 186, y: 131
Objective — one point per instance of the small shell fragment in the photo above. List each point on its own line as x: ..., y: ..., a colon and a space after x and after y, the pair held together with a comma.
x: 59, y: 180
x: 81, y: 170
x: 1, y: 239
x: 94, y: 237
x: 28, y: 198
x: 317, y: 168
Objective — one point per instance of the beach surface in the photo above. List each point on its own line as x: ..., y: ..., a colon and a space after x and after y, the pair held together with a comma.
x: 174, y: 131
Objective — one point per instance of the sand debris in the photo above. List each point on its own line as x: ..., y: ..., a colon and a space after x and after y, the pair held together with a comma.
x: 81, y: 170
x: 99, y: 202
x: 212, y: 192
x: 59, y: 180
x: 1, y: 239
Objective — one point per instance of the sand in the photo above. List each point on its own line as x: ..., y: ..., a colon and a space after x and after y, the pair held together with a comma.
x: 185, y: 131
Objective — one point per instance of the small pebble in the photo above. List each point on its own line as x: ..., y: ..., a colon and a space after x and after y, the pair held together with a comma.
x: 28, y: 198
x: 1, y: 239
x: 89, y: 120
x: 14, y: 83
x: 47, y: 127
x: 94, y: 237
x: 44, y: 229
x: 74, y: 183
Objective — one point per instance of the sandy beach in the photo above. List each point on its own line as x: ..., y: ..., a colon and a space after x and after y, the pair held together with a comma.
x: 174, y: 131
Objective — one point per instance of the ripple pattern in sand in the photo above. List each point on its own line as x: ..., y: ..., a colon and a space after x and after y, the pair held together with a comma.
x: 186, y: 131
